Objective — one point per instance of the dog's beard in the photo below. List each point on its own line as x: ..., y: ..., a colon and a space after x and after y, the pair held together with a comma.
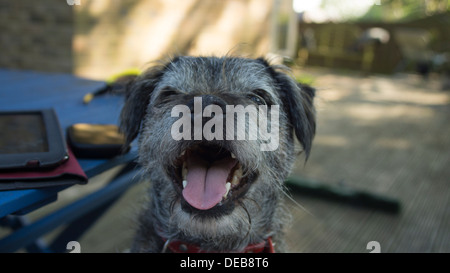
x: 231, y: 224
x: 220, y: 194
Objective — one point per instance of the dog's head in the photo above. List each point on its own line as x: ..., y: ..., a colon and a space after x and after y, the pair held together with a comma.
x: 216, y: 136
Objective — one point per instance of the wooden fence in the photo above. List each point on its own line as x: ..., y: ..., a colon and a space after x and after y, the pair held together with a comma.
x: 347, y: 45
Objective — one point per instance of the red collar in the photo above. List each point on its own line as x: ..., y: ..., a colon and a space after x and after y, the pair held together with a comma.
x: 181, y: 247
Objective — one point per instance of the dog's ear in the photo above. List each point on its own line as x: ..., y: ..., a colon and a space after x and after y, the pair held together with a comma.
x: 298, y: 102
x: 137, y: 98
x: 308, y: 94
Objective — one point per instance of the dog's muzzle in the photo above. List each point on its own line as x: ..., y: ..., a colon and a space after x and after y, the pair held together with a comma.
x: 210, y: 176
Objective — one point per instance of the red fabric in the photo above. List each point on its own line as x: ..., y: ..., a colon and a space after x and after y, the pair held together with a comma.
x: 181, y: 247
x: 70, y: 167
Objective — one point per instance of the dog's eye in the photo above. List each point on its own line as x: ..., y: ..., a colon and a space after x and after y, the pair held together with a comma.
x: 257, y: 98
x: 165, y: 96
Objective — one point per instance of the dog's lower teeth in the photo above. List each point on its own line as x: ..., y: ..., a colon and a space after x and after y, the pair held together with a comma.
x: 184, y: 183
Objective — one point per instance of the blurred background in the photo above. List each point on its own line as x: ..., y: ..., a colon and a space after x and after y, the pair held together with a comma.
x: 100, y: 37
x: 382, y: 73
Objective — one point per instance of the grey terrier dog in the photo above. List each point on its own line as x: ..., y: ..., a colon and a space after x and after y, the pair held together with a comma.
x: 211, y: 189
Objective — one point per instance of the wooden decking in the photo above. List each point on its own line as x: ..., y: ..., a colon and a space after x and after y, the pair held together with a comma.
x: 384, y: 135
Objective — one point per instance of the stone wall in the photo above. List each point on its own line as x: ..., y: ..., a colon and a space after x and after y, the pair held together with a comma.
x: 36, y: 35
x: 101, y: 37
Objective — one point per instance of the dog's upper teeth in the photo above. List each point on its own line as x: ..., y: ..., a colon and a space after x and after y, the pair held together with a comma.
x: 228, y: 186
x: 235, y: 180
x: 233, y: 155
x: 236, y: 176
x: 184, y: 183
x: 184, y: 171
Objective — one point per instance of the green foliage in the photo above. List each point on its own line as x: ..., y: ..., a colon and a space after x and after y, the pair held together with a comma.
x: 305, y: 79
x: 404, y: 10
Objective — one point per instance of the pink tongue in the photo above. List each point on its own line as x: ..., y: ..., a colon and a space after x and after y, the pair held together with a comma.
x: 206, y: 186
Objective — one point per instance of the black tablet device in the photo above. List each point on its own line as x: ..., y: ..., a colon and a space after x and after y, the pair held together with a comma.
x: 31, y: 139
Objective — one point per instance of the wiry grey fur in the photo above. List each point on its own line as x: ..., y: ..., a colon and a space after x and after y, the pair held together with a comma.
x: 252, y: 217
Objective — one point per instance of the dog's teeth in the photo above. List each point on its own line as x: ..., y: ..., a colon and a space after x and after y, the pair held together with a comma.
x: 235, y: 180
x: 238, y: 172
x: 184, y: 183
x: 236, y: 177
x: 233, y: 155
x: 184, y: 171
x: 228, y: 186
x: 183, y: 153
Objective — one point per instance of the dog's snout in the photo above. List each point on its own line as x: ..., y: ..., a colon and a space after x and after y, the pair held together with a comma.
x: 211, y: 99
x: 198, y: 104
x: 206, y: 100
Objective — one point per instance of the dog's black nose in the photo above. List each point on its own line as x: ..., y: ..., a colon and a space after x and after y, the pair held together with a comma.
x: 197, y: 106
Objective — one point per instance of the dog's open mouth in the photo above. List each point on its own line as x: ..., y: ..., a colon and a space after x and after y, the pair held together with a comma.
x: 210, y: 176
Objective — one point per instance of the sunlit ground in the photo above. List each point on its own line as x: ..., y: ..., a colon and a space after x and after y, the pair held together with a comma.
x: 386, y: 135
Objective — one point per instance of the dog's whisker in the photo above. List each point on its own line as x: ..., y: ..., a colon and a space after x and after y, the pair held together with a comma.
x: 165, y: 246
x: 255, y: 202
x: 172, y: 205
x: 139, y: 174
x: 298, y: 205
x: 249, y: 219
